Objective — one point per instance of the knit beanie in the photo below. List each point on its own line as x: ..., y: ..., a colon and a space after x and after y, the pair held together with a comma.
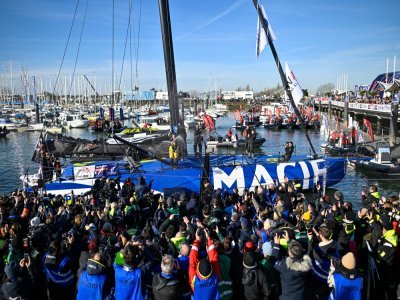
x: 12, y: 270
x: 205, y: 268
x: 107, y: 227
x: 349, y: 261
x: 249, y: 261
x: 93, y: 246
x: 385, y: 221
x: 267, y: 248
x: 35, y: 222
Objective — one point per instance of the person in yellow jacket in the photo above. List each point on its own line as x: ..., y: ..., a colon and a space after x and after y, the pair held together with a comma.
x: 173, y: 153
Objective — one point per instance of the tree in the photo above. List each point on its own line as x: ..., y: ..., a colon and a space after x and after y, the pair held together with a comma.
x: 248, y: 87
x: 305, y: 92
x: 325, y: 89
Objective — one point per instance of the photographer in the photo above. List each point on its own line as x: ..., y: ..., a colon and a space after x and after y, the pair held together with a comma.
x: 321, y: 249
x: 204, y: 272
x: 58, y: 272
x: 293, y: 270
x: 94, y: 280
x: 20, y: 283
x: 166, y: 285
x: 344, y: 280
x: 289, y: 148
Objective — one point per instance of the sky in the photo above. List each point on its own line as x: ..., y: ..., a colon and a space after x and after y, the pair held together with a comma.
x: 213, y: 40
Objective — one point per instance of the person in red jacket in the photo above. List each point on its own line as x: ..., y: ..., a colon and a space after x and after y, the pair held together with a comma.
x: 204, y: 273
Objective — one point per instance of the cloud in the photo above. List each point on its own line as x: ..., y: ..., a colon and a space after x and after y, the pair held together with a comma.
x: 213, y: 19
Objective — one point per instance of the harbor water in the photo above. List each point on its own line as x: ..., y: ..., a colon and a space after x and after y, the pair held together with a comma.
x: 17, y: 148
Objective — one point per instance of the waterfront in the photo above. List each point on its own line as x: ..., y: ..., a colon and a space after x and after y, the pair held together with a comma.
x: 16, y: 153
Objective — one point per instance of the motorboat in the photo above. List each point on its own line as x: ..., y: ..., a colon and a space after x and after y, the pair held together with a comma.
x: 9, y: 124
x: 75, y: 121
x: 382, y: 164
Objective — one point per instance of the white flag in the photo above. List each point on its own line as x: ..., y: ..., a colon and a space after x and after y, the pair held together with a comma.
x: 262, y: 39
x: 294, y: 85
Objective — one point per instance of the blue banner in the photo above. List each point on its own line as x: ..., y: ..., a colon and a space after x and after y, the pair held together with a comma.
x: 101, y: 113
x: 308, y: 172
x: 112, y: 114
x: 107, y: 170
x: 121, y: 114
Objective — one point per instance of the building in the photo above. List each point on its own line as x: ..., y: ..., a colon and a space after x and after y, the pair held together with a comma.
x: 386, y: 78
x: 140, y: 95
x: 237, y: 95
x: 162, y: 96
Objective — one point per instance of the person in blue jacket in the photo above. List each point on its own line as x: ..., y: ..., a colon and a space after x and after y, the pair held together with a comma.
x: 346, y: 283
x: 128, y: 278
x: 93, y: 281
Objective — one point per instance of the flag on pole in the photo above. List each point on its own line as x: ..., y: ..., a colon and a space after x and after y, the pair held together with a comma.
x: 111, y: 113
x: 262, y: 39
x: 338, y: 124
x: 367, y: 124
x: 294, y: 85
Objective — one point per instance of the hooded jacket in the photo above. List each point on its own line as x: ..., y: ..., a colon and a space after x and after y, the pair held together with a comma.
x: 204, y: 287
x: 294, y: 273
x: 167, y: 287
x: 255, y: 284
x: 92, y: 282
x: 386, y: 250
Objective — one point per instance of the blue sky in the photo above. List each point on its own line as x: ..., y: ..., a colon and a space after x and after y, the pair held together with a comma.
x: 214, y: 41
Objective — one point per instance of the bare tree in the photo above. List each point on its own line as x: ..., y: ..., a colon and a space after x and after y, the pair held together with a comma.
x: 325, y: 89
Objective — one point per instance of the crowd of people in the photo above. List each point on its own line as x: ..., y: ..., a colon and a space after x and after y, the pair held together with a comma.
x: 126, y: 242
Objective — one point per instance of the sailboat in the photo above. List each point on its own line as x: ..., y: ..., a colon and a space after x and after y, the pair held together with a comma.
x: 223, y: 171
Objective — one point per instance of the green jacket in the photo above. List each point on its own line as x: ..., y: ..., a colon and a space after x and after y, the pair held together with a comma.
x: 225, y: 284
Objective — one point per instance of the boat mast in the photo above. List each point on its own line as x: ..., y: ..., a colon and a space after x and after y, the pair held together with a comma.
x: 176, y: 121
x: 285, y: 83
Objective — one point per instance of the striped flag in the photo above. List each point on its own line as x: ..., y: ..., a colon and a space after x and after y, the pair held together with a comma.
x: 262, y: 39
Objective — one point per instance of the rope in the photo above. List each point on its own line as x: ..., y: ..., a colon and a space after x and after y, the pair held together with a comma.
x: 66, y: 47
x: 138, y: 43
x: 79, y: 47
x: 126, y: 42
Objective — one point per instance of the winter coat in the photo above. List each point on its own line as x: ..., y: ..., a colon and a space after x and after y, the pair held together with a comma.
x: 92, y: 283
x: 255, y: 284
x: 167, y: 288
x: 293, y: 275
x: 204, y: 287
x: 225, y: 285
x: 321, y: 255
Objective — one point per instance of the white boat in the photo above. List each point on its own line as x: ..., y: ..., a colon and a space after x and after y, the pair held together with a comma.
x: 137, y: 138
x: 189, y: 121
x: 76, y: 121
x: 9, y: 124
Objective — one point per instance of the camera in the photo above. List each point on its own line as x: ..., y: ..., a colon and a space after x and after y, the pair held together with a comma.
x: 309, y: 227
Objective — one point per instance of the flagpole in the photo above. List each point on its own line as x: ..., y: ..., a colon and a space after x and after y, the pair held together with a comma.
x: 280, y: 70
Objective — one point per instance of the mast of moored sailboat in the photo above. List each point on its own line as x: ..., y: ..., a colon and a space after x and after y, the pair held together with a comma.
x: 176, y: 120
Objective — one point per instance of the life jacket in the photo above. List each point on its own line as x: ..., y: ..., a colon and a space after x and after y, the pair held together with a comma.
x: 173, y: 151
x: 63, y: 279
x: 128, y: 283
x: 391, y: 237
x: 375, y: 195
x: 90, y: 286
x: 346, y: 288
x: 206, y: 288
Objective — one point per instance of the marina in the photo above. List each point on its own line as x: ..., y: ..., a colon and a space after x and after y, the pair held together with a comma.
x: 124, y: 176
